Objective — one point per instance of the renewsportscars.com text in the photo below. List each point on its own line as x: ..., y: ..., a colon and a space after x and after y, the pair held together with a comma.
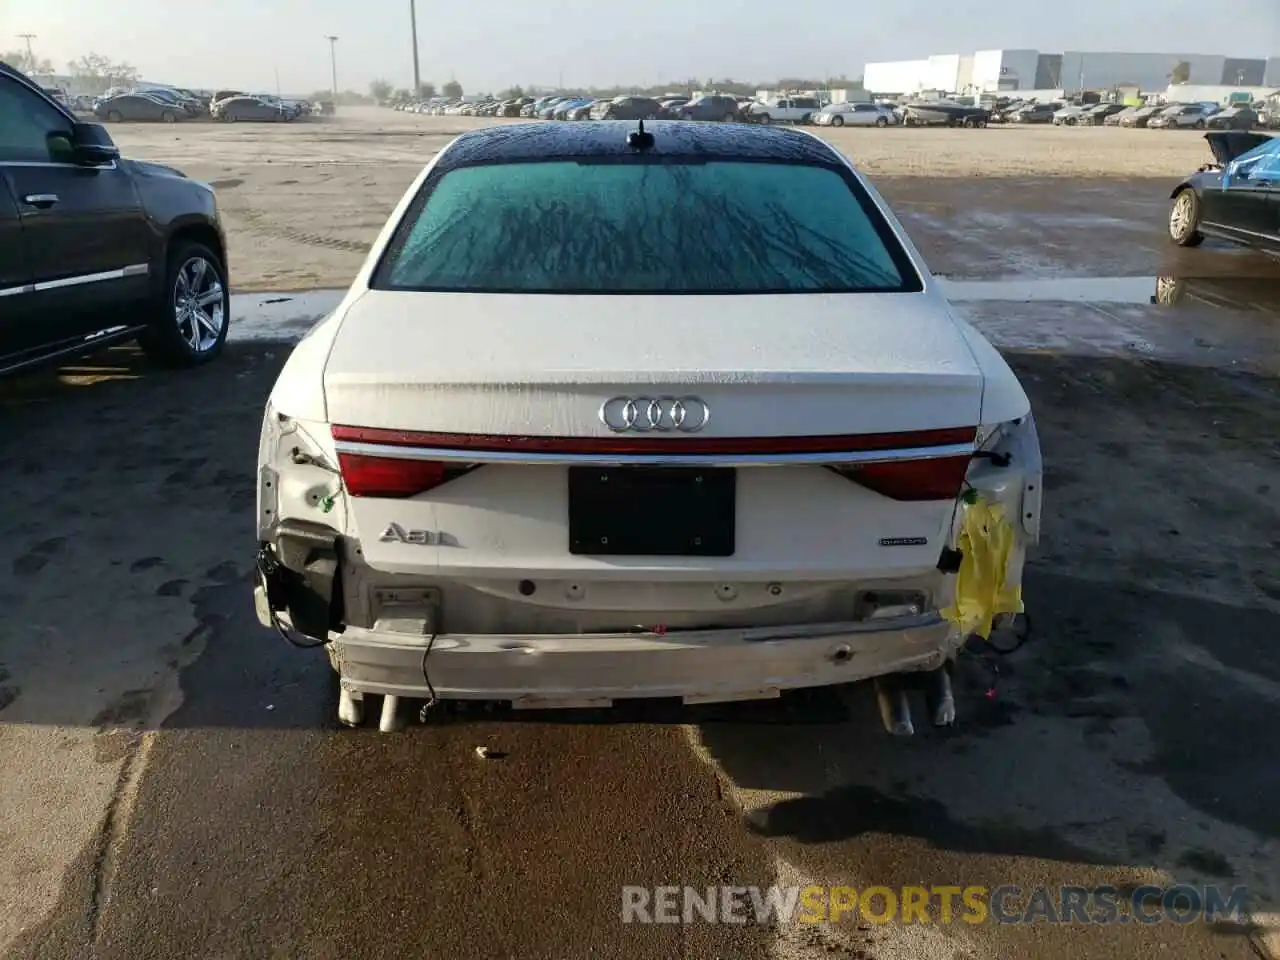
x: 939, y: 904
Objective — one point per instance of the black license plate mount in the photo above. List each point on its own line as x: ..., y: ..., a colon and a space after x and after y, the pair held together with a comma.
x: 652, y: 511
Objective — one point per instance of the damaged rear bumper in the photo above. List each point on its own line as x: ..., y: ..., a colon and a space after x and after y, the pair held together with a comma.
x: 594, y: 670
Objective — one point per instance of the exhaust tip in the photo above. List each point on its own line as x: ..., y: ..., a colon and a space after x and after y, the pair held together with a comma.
x: 895, y: 708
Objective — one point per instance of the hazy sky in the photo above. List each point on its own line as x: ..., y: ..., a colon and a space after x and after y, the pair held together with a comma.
x: 498, y: 43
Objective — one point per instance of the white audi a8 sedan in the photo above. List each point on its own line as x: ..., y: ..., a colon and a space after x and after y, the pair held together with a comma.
x: 613, y: 412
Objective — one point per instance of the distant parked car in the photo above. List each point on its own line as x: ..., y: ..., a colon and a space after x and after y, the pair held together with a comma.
x: 1096, y: 115
x: 1036, y: 113
x: 1142, y: 116
x: 711, y: 107
x: 1182, y: 116
x: 671, y: 106
x: 1071, y: 114
x: 856, y: 115
x: 627, y: 108
x: 137, y: 107
x: 783, y: 110
x: 562, y: 109
x: 251, y: 109
x: 583, y: 111
x: 1234, y: 118
x: 188, y: 104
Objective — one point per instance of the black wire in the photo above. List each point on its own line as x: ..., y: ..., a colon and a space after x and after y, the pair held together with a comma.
x: 309, y: 644
x: 1020, y: 637
x: 265, y: 563
x: 431, y: 690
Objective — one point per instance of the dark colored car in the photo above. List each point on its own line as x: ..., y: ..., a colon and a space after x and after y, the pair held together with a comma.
x: 1036, y: 113
x: 515, y: 108
x: 710, y: 107
x: 248, y: 108
x: 1097, y: 116
x: 1140, y: 117
x: 190, y: 106
x: 1234, y: 118
x: 631, y: 108
x: 671, y: 107
x: 99, y: 248
x: 1235, y: 198
x: 138, y: 107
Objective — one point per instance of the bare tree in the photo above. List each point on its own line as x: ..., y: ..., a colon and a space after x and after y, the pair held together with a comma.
x: 101, y: 73
x: 452, y: 89
x: 426, y: 90
x: 381, y: 90
x: 32, y: 66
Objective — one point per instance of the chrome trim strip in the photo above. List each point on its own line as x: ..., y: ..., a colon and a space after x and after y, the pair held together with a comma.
x: 456, y: 455
x: 80, y: 347
x: 14, y: 291
x: 45, y: 165
x: 1252, y: 233
x: 133, y: 270
x: 78, y: 281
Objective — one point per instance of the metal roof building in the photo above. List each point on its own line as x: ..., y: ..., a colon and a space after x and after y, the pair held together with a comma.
x: 989, y: 71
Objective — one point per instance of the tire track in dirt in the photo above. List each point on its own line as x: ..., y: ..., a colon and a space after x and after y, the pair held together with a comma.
x: 258, y: 222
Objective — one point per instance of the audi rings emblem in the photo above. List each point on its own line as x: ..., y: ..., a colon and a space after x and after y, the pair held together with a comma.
x: 660, y: 414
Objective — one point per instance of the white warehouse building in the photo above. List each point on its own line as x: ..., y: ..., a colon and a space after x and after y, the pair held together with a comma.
x: 990, y: 71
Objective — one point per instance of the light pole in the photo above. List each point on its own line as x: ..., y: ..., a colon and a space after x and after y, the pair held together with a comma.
x: 413, y: 32
x: 333, y: 64
x: 31, y: 58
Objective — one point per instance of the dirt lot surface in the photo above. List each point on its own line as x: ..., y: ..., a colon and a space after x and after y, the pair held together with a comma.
x: 304, y: 201
x: 177, y: 786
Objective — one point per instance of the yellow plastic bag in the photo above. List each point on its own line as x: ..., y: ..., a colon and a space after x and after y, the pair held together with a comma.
x: 984, y: 588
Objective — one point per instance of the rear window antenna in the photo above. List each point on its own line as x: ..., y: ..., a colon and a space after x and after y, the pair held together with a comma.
x: 639, y: 139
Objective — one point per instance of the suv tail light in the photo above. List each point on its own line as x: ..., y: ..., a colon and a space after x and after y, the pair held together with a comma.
x: 394, y: 477
x: 939, y: 478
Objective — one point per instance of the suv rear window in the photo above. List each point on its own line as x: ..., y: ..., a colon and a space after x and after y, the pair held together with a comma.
x: 648, y: 226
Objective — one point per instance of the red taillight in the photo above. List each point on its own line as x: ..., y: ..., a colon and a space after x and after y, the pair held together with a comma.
x: 939, y: 478
x: 391, y: 477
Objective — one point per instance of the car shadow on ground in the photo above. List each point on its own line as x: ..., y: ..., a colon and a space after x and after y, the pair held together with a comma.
x: 1148, y: 677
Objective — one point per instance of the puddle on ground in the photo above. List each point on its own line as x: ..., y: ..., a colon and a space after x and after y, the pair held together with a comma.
x: 1231, y: 293
x: 1223, y: 322
x: 279, y: 317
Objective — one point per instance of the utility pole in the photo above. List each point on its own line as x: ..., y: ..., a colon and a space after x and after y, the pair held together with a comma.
x: 333, y: 64
x: 31, y: 58
x: 413, y: 32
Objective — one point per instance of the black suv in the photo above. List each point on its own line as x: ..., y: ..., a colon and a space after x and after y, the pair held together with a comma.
x: 94, y: 248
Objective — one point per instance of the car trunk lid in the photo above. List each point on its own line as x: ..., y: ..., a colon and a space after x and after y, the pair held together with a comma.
x: 1228, y: 145
x: 849, y: 420
x: 778, y: 365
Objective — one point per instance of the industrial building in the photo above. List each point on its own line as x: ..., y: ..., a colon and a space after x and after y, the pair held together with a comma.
x: 991, y: 71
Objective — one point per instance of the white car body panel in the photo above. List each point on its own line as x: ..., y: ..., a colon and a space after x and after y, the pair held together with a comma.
x: 494, y: 363
x: 445, y: 571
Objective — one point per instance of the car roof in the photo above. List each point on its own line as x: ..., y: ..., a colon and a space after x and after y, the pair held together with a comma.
x: 525, y: 142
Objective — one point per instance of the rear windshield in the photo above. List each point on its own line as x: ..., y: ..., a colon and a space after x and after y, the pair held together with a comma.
x: 645, y: 227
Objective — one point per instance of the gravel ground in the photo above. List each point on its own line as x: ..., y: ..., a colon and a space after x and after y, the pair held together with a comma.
x: 177, y: 785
